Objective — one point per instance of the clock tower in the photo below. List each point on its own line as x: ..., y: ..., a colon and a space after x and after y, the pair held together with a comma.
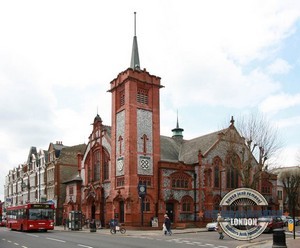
x: 135, y: 140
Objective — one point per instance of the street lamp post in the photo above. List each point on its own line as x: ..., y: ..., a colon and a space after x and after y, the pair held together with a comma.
x: 295, y: 196
x: 142, y: 191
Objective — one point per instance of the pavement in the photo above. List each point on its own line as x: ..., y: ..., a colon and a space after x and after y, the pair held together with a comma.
x: 290, y: 241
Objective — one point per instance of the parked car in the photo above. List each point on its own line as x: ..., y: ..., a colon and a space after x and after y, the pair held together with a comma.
x: 273, y: 222
x: 212, y: 226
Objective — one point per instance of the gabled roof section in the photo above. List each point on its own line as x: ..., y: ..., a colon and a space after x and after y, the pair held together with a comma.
x: 58, y: 146
x: 68, y: 155
x: 32, y: 150
x: 169, y: 149
x: 190, y: 149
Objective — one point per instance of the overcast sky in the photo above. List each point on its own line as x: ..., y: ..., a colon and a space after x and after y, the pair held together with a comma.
x: 215, y: 58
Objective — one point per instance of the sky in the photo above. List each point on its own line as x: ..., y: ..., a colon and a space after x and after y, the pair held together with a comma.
x: 216, y: 59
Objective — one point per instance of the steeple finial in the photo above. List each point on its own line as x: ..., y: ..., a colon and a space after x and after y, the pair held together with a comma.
x: 135, y: 60
x: 177, y: 132
x: 177, y: 125
x: 232, y: 121
x: 134, y: 23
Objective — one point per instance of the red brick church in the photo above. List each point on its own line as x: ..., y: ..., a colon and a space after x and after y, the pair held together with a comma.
x: 183, y: 178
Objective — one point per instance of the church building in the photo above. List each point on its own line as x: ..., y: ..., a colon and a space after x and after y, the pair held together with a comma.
x: 132, y: 173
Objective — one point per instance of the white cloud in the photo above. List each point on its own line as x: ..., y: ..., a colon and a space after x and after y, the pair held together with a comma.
x: 279, y: 102
x: 57, y: 59
x: 288, y: 122
x: 288, y: 156
x: 279, y: 66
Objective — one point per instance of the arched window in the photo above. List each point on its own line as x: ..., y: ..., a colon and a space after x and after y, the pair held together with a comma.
x: 105, y: 166
x: 146, y: 204
x: 187, y: 204
x: 97, y: 166
x: 232, y: 176
x: 217, y: 163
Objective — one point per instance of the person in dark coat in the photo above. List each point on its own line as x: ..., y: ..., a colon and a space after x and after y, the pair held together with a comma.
x: 220, y: 231
x: 167, y: 223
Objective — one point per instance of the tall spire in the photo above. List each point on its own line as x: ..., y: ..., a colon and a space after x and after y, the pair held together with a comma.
x: 135, y: 61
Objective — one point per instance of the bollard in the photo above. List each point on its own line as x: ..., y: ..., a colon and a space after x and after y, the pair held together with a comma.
x: 279, y: 238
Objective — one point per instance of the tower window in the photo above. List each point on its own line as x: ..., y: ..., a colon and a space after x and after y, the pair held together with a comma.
x: 142, y: 96
x: 145, y: 181
x: 120, y: 182
x: 122, y: 98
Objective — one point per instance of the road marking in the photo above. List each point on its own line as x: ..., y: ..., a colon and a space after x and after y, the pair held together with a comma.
x: 24, y: 246
x: 32, y: 235
x: 210, y: 244
x: 85, y: 246
x: 58, y: 240
x: 16, y: 243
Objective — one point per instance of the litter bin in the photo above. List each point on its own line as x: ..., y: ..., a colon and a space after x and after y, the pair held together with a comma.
x: 279, y: 239
x: 93, y: 226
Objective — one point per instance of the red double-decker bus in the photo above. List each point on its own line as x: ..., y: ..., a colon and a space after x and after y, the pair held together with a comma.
x: 31, y: 216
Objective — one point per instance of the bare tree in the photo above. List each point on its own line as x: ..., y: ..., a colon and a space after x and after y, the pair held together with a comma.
x: 252, y: 142
x: 290, y: 179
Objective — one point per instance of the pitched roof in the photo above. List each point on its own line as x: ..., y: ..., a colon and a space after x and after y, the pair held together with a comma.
x: 68, y: 155
x: 187, y: 151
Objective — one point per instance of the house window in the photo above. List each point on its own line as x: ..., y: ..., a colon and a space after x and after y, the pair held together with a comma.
x: 142, y: 96
x: 180, y: 181
x: 71, y: 190
x: 279, y: 194
x: 186, y: 204
x: 266, y: 189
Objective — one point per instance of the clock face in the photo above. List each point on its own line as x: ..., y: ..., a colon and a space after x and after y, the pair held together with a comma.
x: 142, y: 189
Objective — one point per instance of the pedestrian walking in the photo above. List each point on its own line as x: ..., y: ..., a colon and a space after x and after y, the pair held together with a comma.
x: 167, y: 223
x: 220, y: 231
